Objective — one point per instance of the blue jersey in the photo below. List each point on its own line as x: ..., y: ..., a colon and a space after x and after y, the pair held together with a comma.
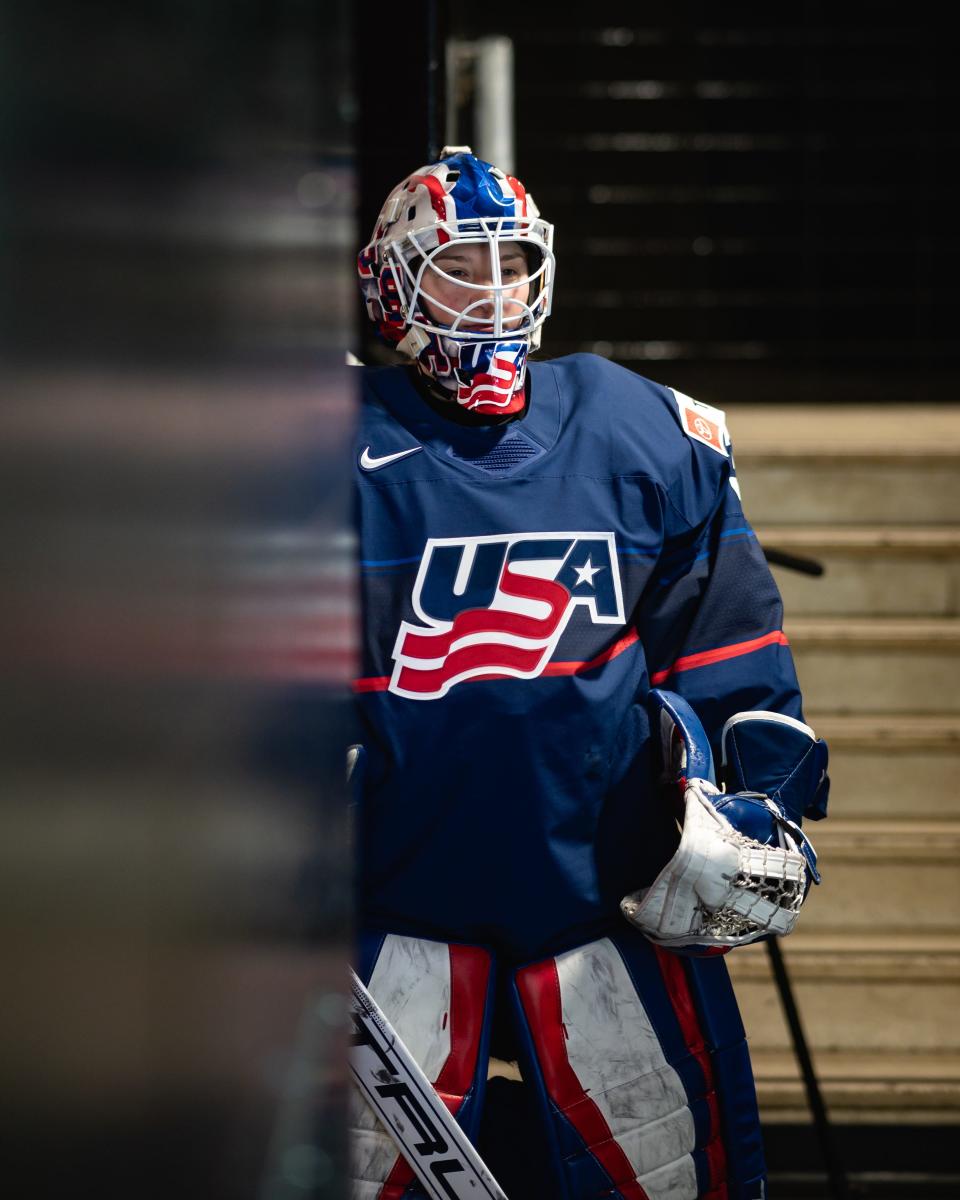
x: 523, y: 587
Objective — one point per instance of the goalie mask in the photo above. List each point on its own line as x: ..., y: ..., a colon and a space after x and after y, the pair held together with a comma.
x: 459, y: 276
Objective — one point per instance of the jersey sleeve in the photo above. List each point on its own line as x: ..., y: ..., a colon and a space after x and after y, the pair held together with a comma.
x: 711, y: 620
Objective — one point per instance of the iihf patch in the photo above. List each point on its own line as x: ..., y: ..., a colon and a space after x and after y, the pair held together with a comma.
x: 703, y: 423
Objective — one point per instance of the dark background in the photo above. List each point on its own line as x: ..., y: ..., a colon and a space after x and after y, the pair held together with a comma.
x: 176, y: 241
x: 752, y: 202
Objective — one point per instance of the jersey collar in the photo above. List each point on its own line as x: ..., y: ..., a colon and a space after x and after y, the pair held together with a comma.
x: 439, y: 435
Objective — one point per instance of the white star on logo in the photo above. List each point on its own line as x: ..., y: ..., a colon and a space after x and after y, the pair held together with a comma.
x: 586, y: 573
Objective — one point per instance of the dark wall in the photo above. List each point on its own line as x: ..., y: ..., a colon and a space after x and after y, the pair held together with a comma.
x: 176, y: 242
x: 751, y: 203
x: 398, y: 62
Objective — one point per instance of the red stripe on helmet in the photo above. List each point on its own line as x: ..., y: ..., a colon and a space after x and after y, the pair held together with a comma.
x: 520, y: 191
x: 438, y: 194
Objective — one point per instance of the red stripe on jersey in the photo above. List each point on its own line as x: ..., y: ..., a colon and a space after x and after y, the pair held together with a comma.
x: 678, y: 989
x: 372, y: 683
x: 469, y: 973
x: 705, y: 657
x: 539, y: 988
x: 574, y: 668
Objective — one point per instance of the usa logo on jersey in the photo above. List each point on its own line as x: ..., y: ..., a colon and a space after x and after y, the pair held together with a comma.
x: 497, y: 606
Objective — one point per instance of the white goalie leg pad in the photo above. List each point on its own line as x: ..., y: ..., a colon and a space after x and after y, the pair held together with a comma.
x: 615, y: 1053
x: 435, y: 996
x: 613, y: 1048
x: 411, y: 983
x: 722, y: 888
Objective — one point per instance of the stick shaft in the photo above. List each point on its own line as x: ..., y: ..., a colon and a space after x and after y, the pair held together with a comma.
x: 410, y: 1110
x: 831, y: 1159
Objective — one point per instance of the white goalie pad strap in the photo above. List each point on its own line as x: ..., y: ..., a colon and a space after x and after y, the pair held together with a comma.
x: 722, y: 888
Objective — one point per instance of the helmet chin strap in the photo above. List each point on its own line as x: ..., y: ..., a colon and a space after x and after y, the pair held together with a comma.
x: 414, y: 342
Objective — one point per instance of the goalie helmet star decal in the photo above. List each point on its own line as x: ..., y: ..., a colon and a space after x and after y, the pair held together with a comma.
x: 498, y: 605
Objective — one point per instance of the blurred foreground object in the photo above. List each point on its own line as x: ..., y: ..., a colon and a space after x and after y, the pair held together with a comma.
x: 176, y: 615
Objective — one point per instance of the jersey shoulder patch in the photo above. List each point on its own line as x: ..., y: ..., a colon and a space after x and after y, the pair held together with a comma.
x: 703, y: 423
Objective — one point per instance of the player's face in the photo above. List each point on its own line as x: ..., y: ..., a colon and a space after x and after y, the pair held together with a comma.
x: 470, y: 264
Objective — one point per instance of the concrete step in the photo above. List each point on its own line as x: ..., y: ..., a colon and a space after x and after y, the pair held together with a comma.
x: 844, y: 430
x: 877, y: 665
x: 823, y: 488
x: 879, y: 1013
x: 874, y: 494
x: 884, y: 571
x: 830, y: 463
x: 863, y: 991
x: 879, y: 1088
x: 897, y: 876
x: 887, y: 765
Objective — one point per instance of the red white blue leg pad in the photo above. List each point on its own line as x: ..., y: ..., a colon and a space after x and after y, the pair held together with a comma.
x: 438, y: 998
x: 642, y: 1071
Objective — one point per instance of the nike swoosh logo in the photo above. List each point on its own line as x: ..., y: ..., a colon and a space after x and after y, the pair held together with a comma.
x: 369, y: 463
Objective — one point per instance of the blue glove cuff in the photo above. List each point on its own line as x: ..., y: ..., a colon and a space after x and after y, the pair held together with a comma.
x: 779, y: 756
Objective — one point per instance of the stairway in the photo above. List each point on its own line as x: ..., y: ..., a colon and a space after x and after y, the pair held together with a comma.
x: 874, y: 494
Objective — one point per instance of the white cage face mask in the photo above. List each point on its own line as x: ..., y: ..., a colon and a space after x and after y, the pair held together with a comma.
x: 476, y: 280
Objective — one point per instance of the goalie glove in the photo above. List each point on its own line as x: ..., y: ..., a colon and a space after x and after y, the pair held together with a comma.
x: 742, y: 868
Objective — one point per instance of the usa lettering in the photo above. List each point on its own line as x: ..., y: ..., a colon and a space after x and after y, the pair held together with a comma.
x: 497, y: 606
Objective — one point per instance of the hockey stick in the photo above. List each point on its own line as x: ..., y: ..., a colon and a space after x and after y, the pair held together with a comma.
x: 795, y: 562
x: 404, y: 1100
x: 836, y: 1175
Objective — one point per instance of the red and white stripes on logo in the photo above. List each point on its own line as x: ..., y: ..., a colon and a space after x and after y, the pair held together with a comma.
x: 485, y: 627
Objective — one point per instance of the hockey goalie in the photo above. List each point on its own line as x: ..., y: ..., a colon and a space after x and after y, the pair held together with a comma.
x: 586, y: 765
